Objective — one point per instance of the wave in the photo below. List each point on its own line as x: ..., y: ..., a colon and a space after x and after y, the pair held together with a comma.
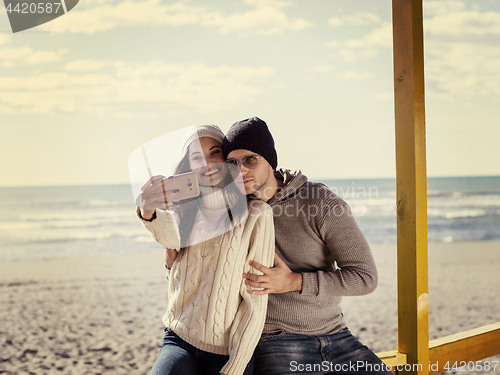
x: 72, y: 215
x: 105, y: 203
x: 51, y: 225
x: 467, y: 213
x: 445, y: 194
x: 65, y: 236
x: 68, y: 237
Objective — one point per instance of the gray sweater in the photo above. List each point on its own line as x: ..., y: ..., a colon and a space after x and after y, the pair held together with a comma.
x: 317, y: 235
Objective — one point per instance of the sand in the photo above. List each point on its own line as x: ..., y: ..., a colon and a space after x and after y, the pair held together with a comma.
x: 102, y: 315
x: 81, y: 315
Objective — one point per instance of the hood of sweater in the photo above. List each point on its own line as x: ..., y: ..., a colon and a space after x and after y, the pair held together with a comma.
x: 293, y: 181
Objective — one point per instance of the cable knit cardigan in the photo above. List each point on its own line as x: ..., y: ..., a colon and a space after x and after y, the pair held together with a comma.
x: 209, y: 304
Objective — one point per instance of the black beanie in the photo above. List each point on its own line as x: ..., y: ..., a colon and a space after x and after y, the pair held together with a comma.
x: 251, y: 134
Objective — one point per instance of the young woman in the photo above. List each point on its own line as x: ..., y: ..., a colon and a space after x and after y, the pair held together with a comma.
x: 213, y: 322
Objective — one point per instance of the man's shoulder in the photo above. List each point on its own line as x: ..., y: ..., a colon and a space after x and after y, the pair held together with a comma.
x: 318, y: 191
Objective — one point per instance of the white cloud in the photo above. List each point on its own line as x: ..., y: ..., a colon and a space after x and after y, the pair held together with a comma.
x: 462, y: 55
x: 369, y: 45
x: 462, y: 70
x: 352, y: 75
x: 462, y: 58
x: 27, y: 55
x: 319, y: 68
x: 266, y: 17
x: 464, y: 25
x: 123, y: 88
x: 5, y: 38
x: 87, y: 65
x: 440, y: 7
x: 358, y: 19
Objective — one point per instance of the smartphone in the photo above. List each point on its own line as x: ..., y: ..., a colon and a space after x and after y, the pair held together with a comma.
x: 181, y: 186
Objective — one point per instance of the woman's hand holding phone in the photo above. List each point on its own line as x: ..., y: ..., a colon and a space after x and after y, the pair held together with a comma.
x: 152, y: 197
x: 159, y: 191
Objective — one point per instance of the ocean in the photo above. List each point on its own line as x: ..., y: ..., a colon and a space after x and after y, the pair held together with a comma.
x: 65, y: 221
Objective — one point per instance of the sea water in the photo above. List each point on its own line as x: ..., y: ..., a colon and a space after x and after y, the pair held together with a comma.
x: 459, y: 209
x: 60, y: 221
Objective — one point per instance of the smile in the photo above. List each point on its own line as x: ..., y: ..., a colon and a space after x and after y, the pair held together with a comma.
x: 211, y: 173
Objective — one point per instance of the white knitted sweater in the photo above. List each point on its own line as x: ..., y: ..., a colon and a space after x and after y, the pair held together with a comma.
x: 209, y: 304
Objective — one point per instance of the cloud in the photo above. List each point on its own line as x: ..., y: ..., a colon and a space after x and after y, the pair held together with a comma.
x: 126, y: 89
x: 352, y: 75
x: 5, y: 38
x: 319, y: 68
x: 358, y: 19
x: 266, y: 17
x: 462, y: 58
x: 462, y: 70
x: 464, y: 25
x: 27, y: 56
x: 88, y: 65
x: 462, y: 55
x: 442, y: 7
x: 368, y: 45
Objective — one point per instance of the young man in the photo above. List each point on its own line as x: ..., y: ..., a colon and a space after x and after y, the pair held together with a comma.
x: 321, y: 255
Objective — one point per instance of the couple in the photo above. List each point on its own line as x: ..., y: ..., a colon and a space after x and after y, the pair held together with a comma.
x: 230, y: 309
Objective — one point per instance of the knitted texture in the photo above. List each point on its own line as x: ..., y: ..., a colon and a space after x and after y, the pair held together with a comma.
x: 251, y: 134
x: 317, y: 235
x: 200, y: 131
x: 209, y: 304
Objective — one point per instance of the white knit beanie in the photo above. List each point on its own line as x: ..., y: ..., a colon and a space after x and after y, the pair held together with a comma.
x: 212, y: 131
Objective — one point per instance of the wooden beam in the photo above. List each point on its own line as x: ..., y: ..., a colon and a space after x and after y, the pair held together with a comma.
x: 392, y: 358
x: 451, y: 352
x: 411, y: 183
x: 464, y: 347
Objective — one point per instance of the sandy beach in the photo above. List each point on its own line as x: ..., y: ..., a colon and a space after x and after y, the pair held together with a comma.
x: 102, y: 315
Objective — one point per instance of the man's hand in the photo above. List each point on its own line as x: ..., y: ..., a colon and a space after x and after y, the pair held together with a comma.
x: 170, y: 255
x: 279, y: 279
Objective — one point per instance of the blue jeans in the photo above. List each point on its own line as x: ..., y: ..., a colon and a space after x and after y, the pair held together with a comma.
x: 339, y: 353
x: 177, y: 357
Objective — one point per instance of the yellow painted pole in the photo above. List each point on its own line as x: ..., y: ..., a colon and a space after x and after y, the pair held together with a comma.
x: 411, y: 185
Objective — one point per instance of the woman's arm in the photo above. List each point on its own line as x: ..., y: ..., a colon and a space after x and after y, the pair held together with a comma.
x: 165, y: 228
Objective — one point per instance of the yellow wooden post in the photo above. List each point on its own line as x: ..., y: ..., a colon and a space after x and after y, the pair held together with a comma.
x: 411, y: 184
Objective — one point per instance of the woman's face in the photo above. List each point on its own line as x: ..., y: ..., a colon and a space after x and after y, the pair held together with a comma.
x: 207, y: 161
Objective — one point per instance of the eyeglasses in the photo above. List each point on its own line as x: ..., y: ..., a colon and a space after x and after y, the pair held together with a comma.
x: 249, y: 161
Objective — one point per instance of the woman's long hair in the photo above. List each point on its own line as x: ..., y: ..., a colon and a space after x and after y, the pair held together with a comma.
x: 187, y: 210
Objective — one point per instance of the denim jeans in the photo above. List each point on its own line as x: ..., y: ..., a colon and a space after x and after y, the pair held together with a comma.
x: 339, y: 353
x: 177, y: 357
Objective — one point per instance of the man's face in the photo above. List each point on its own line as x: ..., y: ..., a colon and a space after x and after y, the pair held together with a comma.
x: 257, y: 176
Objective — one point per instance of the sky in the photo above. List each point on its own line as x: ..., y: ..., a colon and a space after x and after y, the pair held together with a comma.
x: 80, y: 93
